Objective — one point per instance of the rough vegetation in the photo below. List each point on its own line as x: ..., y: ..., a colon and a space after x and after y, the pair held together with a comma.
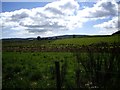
x: 89, y: 62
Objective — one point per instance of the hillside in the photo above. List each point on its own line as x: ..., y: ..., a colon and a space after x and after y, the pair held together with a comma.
x: 88, y: 40
x: 60, y: 45
x: 118, y: 32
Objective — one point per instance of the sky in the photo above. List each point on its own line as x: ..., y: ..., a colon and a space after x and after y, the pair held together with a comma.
x: 60, y: 17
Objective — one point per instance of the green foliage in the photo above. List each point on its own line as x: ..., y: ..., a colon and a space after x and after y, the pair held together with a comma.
x: 90, y: 62
x: 98, y: 70
x: 78, y: 70
x: 31, y: 70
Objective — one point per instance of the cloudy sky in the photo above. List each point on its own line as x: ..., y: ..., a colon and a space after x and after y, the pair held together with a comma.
x: 60, y: 17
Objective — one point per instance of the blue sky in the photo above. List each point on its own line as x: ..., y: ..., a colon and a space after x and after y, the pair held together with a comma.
x: 30, y: 19
x: 12, y: 6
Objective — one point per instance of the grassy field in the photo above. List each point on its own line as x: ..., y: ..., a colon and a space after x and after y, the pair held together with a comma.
x: 33, y: 70
x: 75, y: 41
x: 28, y: 64
x: 59, y: 45
x: 88, y: 40
x: 37, y: 70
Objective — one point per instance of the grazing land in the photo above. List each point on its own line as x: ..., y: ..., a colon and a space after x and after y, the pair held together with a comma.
x: 85, y: 62
x: 59, y: 44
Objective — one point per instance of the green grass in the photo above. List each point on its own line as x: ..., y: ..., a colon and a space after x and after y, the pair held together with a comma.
x: 88, y: 40
x: 30, y: 69
x: 25, y: 43
x: 26, y: 69
x: 59, y: 45
x: 37, y: 70
x: 74, y: 41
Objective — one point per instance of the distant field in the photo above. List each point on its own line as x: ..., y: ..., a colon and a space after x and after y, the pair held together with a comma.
x: 88, y: 40
x: 59, y: 45
x: 75, y: 41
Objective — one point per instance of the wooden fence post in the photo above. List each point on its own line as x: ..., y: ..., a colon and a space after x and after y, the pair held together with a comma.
x: 58, y: 79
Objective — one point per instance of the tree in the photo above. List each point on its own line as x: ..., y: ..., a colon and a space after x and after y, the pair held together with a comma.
x: 73, y: 36
x: 38, y: 38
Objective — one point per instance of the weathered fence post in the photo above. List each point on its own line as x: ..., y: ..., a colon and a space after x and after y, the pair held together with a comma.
x: 58, y: 79
x: 78, y: 78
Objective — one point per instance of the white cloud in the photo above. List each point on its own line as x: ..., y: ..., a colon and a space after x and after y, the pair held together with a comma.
x: 110, y: 26
x: 52, y: 17
x: 57, y: 16
x: 107, y: 32
x: 103, y: 8
x: 63, y: 7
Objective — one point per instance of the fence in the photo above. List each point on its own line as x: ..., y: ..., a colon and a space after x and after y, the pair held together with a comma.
x: 107, y: 76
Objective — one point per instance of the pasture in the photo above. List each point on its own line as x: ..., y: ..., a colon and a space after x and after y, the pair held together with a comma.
x: 89, y: 62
